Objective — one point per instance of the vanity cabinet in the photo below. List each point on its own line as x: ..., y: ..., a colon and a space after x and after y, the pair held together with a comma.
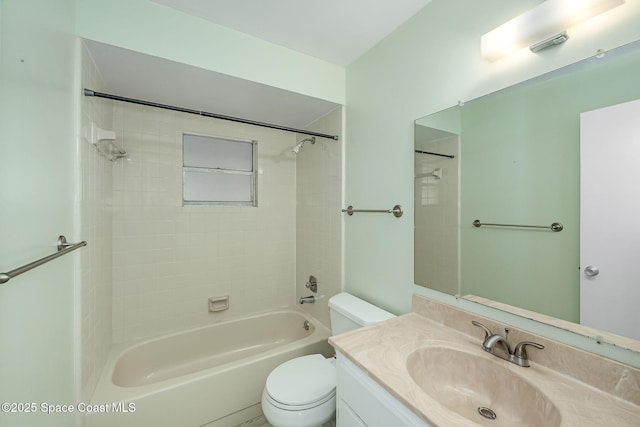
x: 362, y: 402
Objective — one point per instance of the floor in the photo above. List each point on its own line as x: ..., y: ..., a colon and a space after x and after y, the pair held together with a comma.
x: 262, y: 422
x: 256, y: 422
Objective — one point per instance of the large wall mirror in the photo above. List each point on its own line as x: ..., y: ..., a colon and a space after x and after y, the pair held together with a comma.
x: 511, y: 159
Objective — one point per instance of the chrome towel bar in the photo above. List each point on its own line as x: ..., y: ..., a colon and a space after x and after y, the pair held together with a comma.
x: 63, y: 248
x: 396, y: 211
x: 555, y: 227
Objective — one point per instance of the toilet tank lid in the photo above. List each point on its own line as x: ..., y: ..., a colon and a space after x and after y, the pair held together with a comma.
x: 358, y: 310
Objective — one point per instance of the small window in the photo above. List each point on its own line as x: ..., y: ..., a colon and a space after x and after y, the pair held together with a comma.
x: 218, y: 171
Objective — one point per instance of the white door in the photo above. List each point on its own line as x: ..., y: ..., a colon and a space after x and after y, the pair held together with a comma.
x: 610, y: 219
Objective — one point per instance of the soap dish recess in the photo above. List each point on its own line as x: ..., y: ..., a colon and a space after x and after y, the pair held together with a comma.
x: 219, y: 303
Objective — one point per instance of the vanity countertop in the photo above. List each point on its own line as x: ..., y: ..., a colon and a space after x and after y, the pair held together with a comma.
x: 382, y: 350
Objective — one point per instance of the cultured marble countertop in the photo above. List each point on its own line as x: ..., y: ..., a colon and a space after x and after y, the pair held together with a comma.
x: 381, y: 350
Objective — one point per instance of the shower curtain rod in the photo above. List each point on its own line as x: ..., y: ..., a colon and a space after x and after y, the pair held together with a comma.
x: 435, y: 154
x: 89, y: 92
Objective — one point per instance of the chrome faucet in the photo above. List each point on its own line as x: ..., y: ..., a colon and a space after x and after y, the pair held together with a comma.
x: 519, y: 354
x: 492, y: 340
x: 309, y: 300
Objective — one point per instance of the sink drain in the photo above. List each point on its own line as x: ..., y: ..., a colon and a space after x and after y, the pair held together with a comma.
x: 487, y: 413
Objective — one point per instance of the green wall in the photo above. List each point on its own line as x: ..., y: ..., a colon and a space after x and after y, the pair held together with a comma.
x: 37, y: 191
x: 521, y: 164
x: 154, y: 29
x: 429, y: 64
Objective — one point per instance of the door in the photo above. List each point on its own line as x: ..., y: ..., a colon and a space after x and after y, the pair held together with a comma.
x: 610, y: 219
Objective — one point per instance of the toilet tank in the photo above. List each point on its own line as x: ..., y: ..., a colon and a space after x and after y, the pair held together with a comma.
x: 348, y: 313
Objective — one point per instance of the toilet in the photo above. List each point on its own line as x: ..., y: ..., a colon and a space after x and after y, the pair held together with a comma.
x: 302, y: 391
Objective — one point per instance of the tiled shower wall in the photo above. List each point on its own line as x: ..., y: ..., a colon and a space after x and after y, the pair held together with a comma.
x: 95, y: 218
x: 318, y: 215
x: 168, y: 259
x: 436, y: 220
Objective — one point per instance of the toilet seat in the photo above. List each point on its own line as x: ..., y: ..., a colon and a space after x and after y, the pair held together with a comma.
x: 301, y: 383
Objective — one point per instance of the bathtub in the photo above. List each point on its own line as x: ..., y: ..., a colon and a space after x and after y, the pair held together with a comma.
x: 210, y: 376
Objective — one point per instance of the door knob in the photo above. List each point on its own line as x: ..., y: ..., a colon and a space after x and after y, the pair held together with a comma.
x: 591, y: 271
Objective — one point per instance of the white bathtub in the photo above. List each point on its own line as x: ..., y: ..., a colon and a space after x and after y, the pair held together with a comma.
x: 210, y: 376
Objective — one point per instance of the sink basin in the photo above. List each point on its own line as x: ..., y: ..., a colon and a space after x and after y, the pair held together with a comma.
x: 464, y: 382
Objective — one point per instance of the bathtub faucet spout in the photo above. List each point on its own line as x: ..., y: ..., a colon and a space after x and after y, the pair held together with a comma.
x: 309, y: 300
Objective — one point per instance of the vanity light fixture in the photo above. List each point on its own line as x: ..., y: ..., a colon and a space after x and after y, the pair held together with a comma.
x: 545, y: 22
x: 554, y: 40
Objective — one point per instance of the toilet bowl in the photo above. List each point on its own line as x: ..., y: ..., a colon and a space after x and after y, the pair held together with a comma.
x: 302, y: 391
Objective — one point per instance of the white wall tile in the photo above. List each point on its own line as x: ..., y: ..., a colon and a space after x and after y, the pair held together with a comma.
x: 436, y: 206
x: 319, y: 219
x: 172, y: 258
x: 96, y: 225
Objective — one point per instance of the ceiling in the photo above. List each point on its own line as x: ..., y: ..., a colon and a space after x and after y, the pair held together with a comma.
x: 126, y: 73
x: 337, y: 31
x: 325, y: 29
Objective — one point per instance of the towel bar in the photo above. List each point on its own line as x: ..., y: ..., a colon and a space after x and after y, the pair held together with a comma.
x: 396, y: 210
x: 63, y: 248
x: 555, y: 227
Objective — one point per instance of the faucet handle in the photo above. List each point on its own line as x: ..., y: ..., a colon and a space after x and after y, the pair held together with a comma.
x: 487, y: 332
x: 520, y: 352
x: 521, y: 348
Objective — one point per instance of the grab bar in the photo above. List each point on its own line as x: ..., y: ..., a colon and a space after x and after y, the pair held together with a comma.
x: 63, y: 248
x: 555, y: 227
x: 396, y: 211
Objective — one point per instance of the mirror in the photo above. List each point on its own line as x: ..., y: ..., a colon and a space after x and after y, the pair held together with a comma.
x: 512, y: 159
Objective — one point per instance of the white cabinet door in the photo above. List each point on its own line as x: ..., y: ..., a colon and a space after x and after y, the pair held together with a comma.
x: 347, y: 417
x: 363, y: 402
x: 610, y: 219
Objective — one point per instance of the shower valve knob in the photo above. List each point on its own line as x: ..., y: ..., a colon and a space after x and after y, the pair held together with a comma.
x: 312, y: 284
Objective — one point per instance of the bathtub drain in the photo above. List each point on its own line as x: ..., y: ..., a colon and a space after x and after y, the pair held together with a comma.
x: 306, y: 325
x: 487, y: 413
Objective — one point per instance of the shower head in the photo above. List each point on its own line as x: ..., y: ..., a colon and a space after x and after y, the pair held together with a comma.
x: 299, y: 145
x: 297, y: 148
